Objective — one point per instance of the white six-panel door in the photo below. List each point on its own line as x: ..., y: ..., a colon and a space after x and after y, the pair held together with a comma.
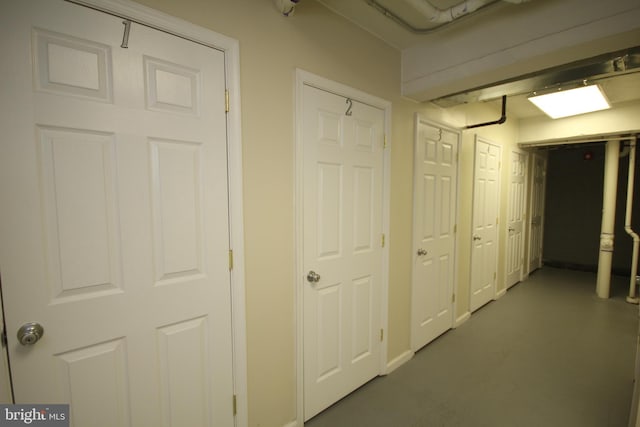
x: 486, y: 208
x: 515, y: 220
x: 114, y: 230
x: 539, y: 166
x: 342, y: 204
x: 434, y: 221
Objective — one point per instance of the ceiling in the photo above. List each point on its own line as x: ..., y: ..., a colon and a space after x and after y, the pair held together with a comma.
x: 619, y: 87
x: 361, y: 13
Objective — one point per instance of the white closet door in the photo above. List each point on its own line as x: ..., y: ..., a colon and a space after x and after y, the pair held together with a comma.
x: 515, y: 220
x: 114, y: 229
x: 343, y: 161
x: 486, y: 208
x: 434, y: 222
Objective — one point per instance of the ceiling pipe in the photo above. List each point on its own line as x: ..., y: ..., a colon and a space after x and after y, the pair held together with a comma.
x: 438, y: 17
x: 444, y: 16
x: 500, y: 121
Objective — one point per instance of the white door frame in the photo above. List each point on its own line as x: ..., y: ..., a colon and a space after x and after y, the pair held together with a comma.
x: 135, y: 12
x: 421, y: 119
x: 306, y: 78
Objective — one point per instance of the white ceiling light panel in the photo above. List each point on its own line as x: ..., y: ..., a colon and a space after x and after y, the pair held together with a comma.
x: 571, y: 102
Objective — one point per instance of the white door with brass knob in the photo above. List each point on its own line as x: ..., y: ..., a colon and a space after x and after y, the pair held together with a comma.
x: 434, y: 223
x: 343, y: 143
x: 114, y: 238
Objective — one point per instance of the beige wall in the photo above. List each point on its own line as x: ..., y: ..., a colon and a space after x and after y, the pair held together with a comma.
x: 318, y: 41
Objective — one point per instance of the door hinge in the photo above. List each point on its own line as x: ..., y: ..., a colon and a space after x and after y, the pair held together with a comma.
x: 384, y: 144
x: 453, y: 298
x: 235, y: 405
x: 494, y: 275
x: 382, y: 242
x: 381, y: 335
x: 455, y: 228
x: 496, y: 220
x: 226, y: 101
x: 230, y: 259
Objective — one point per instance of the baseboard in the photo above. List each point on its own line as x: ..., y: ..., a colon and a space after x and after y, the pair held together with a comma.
x: 399, y: 361
x: 500, y: 294
x: 293, y: 423
x: 460, y: 320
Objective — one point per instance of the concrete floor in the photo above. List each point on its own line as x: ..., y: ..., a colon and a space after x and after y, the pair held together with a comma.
x: 549, y: 353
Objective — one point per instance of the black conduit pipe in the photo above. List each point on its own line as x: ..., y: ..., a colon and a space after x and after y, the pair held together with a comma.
x: 500, y: 121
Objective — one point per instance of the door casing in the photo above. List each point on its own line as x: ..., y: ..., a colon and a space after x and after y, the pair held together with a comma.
x: 307, y: 78
x: 163, y: 22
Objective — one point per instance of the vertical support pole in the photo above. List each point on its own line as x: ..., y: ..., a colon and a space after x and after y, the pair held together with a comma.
x: 632, y: 299
x: 611, y: 160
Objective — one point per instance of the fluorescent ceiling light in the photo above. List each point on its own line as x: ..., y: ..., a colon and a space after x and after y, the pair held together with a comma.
x: 571, y: 102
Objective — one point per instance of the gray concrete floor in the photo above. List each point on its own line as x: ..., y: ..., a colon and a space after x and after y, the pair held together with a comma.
x: 549, y: 353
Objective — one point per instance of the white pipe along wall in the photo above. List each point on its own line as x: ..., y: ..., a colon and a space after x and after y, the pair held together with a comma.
x: 611, y: 161
x: 440, y: 16
x: 627, y: 224
x: 437, y: 17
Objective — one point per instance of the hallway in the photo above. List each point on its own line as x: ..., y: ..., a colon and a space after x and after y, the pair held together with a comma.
x: 549, y: 353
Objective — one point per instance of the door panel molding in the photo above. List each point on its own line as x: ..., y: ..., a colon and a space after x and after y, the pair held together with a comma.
x: 304, y: 78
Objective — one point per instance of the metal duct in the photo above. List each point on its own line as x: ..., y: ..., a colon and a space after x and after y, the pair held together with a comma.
x: 592, y: 70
